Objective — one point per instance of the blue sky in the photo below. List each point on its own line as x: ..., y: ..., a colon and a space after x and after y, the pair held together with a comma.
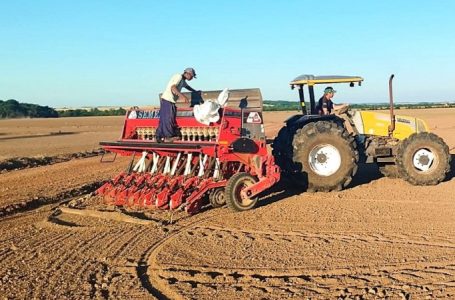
x: 97, y: 53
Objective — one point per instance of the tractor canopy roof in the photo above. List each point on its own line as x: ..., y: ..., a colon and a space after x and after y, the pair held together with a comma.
x: 312, y: 80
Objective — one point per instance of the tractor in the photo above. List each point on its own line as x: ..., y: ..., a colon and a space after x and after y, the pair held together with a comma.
x: 225, y: 160
x: 322, y: 152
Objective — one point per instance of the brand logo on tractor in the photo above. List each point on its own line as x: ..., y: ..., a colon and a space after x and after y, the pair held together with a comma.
x: 254, y: 118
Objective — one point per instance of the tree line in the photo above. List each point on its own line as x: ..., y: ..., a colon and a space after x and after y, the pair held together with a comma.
x: 11, y: 109
x: 284, y: 105
x: 14, y: 109
x: 91, y: 112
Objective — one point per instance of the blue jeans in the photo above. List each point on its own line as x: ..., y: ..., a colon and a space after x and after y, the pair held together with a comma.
x: 167, y: 125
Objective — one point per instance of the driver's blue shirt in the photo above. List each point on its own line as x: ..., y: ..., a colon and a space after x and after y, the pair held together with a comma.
x: 324, y: 103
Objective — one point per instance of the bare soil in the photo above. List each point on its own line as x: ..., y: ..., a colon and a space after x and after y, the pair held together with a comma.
x: 379, y: 238
x: 53, y: 137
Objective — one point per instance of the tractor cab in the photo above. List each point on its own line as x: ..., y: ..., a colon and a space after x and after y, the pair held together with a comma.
x: 311, y: 81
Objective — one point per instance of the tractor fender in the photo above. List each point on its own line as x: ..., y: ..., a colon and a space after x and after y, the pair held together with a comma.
x: 298, y: 121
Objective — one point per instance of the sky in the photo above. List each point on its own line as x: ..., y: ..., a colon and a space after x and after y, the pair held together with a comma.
x: 123, y: 53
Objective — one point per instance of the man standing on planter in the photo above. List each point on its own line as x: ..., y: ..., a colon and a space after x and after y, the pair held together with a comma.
x: 167, y: 128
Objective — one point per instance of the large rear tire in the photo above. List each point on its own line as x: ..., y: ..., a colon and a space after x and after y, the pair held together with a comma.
x: 235, y: 185
x: 326, y: 153
x: 423, y: 159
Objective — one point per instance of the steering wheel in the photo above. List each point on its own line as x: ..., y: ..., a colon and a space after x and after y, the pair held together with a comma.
x: 342, y: 110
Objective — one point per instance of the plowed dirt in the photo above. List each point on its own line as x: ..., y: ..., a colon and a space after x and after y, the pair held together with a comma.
x: 379, y: 238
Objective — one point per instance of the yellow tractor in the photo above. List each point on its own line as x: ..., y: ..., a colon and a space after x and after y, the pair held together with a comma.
x: 322, y: 152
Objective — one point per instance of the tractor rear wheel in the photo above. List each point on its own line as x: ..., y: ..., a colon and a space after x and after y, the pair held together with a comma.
x: 216, y: 197
x: 326, y: 154
x: 233, y: 196
x: 389, y: 170
x: 423, y: 159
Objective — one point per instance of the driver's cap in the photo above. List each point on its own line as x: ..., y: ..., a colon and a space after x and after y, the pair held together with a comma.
x: 329, y: 90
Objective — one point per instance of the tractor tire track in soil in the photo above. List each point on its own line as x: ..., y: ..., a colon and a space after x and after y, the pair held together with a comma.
x: 148, y: 267
x: 19, y: 163
x: 349, y: 280
x: 40, y: 201
x: 67, y: 255
x: 29, y: 189
x: 84, y: 257
x: 54, y: 253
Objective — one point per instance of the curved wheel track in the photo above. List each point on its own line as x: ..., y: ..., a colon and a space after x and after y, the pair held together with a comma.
x: 77, y: 260
x: 198, y: 257
x: 194, y: 280
x: 149, y: 267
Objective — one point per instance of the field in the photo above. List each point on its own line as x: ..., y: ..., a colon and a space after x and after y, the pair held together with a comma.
x: 379, y: 238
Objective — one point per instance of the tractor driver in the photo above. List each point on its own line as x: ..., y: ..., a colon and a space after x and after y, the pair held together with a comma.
x: 167, y: 128
x: 325, y: 105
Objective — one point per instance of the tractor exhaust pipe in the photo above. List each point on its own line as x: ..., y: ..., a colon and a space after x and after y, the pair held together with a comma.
x: 392, y: 115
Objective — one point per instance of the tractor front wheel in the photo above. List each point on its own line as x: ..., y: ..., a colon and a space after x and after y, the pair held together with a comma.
x: 233, y: 195
x: 423, y: 159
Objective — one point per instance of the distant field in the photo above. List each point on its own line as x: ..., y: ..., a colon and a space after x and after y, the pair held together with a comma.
x: 47, y: 137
